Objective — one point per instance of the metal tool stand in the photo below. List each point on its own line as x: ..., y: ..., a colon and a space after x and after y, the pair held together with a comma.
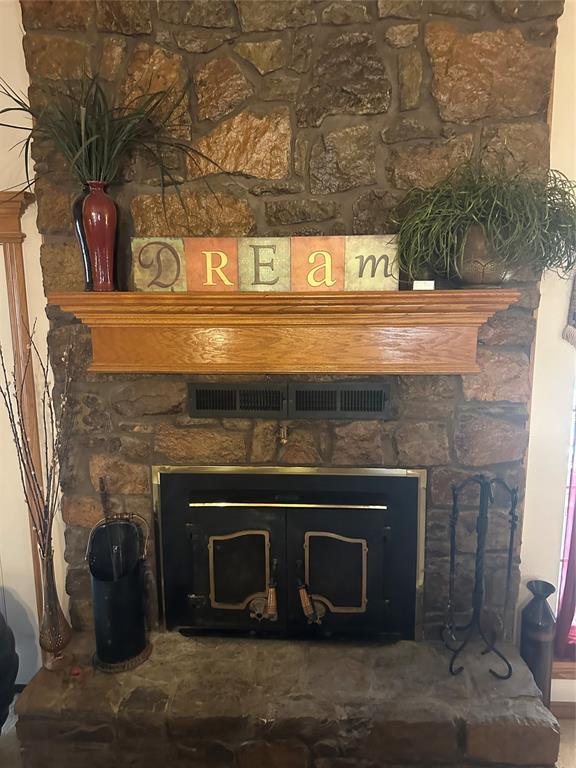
x: 455, y: 637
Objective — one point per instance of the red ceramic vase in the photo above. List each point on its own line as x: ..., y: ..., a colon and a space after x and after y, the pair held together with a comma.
x: 99, y: 217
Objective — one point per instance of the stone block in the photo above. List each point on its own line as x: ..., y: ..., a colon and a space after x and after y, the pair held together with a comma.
x: 201, y: 41
x: 61, y: 267
x: 119, y: 475
x: 54, y: 209
x: 113, y: 54
x: 302, y: 448
x: 402, y: 9
x: 348, y: 77
x: 264, y: 442
x: 401, y: 35
x: 502, y: 376
x: 422, y: 741
x: 76, y: 543
x: 57, y: 14
x: 126, y: 18
x: 424, y: 164
x: 302, y: 45
x: 373, y: 212
x: 197, y: 13
x: 299, y: 211
x: 508, y: 329
x: 363, y: 443
x: 250, y: 144
x: 343, y: 159
x: 345, y: 13
x: 409, y: 77
x: 200, y: 446
x: 265, y: 55
x: 220, y: 87
x: 275, y: 14
x: 490, y: 73
x: 422, y: 443
x: 56, y: 57
x: 482, y: 440
x: 527, y: 736
x: 202, y: 213
x: 525, y: 10
x: 427, y: 388
x: 279, y: 754
x: 84, y: 511
x: 279, y: 86
x: 516, y: 147
x: 149, y: 397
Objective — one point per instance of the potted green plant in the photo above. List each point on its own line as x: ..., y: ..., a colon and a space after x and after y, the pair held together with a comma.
x: 96, y: 134
x: 480, y: 226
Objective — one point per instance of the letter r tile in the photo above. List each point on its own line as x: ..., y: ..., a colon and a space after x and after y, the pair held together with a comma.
x: 211, y: 263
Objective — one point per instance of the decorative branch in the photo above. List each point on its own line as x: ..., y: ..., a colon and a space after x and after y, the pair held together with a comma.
x: 55, y: 424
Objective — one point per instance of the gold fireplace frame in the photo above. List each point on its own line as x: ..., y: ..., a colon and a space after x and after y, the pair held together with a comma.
x: 420, y: 474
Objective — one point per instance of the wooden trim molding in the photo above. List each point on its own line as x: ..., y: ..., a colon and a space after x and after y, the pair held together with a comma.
x: 563, y: 710
x: 433, y: 332
x: 11, y: 237
x: 564, y: 670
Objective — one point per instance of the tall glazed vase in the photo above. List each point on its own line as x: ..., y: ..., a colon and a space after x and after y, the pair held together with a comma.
x: 100, y: 221
x: 78, y: 220
x: 55, y: 631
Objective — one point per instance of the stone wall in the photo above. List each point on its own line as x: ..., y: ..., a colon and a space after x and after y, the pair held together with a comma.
x: 322, y: 114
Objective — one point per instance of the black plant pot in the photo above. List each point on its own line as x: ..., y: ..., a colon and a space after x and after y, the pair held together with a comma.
x: 77, y: 206
x: 8, y: 669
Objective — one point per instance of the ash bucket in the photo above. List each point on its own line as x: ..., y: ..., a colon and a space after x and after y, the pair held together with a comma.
x: 116, y: 553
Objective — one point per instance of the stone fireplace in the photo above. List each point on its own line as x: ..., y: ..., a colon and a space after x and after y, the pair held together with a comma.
x: 355, y: 103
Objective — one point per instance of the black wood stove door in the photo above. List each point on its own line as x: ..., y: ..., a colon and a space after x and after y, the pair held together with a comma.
x: 340, y: 555
x: 236, y: 554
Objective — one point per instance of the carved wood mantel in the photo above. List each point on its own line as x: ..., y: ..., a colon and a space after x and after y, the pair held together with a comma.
x: 248, y: 333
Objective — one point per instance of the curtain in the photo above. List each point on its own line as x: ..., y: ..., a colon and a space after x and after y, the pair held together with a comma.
x: 565, y: 644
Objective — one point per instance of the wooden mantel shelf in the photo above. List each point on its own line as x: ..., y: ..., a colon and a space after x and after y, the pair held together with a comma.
x: 248, y: 333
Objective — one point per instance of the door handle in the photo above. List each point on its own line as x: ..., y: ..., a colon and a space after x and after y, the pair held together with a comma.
x: 306, y: 601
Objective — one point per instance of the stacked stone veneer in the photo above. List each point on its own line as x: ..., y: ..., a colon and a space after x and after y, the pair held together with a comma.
x: 322, y: 114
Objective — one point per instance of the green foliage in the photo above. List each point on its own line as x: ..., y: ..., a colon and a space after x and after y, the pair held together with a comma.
x: 96, y: 133
x: 527, y: 221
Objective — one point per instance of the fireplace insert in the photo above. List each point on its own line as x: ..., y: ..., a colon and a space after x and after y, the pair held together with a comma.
x: 291, y: 551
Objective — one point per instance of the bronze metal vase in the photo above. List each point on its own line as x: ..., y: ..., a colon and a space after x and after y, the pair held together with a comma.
x: 480, y: 265
x: 55, y: 631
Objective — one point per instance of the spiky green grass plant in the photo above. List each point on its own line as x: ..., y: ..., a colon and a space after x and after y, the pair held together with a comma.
x: 96, y: 133
x: 528, y: 220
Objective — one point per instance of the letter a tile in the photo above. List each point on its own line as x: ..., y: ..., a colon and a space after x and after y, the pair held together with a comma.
x: 317, y: 263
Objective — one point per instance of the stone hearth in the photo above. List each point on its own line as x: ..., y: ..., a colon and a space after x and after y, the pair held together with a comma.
x: 216, y: 702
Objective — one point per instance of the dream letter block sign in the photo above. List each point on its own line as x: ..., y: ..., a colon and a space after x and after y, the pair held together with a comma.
x: 356, y: 263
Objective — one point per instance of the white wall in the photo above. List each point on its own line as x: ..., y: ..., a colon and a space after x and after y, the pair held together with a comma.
x: 555, y: 363
x: 17, y: 593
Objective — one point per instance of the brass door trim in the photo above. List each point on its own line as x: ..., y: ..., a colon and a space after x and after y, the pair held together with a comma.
x: 260, y: 505
x: 349, y: 540
x: 237, y: 534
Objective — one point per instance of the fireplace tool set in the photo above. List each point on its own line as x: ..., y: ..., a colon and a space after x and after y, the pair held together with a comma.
x: 457, y: 637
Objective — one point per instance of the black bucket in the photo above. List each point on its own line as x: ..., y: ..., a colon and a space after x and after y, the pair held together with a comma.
x: 116, y: 552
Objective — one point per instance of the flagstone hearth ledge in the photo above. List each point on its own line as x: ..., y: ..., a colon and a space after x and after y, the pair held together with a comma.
x: 432, y: 332
x: 245, y: 703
